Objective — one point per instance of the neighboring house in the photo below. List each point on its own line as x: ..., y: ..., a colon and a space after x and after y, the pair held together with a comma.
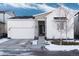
x: 2, y: 24
x: 4, y: 15
x: 76, y: 27
x: 56, y: 24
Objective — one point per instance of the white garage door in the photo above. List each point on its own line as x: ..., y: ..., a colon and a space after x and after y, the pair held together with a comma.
x: 21, y: 29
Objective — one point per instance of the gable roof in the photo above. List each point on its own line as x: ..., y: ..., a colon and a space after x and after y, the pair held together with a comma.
x: 76, y: 14
x: 7, y: 12
x: 43, y: 14
x: 47, y: 13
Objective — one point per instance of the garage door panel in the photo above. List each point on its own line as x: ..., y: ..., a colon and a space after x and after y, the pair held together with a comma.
x: 20, y: 23
x: 22, y: 33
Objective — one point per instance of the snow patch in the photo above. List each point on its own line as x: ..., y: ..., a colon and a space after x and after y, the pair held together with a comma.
x: 53, y: 47
x: 3, y: 40
x: 2, y: 53
x: 34, y: 42
x: 26, y: 54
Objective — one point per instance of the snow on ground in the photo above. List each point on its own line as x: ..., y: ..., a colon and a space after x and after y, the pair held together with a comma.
x: 53, y: 47
x: 25, y: 54
x: 2, y: 53
x: 34, y: 42
x: 3, y: 40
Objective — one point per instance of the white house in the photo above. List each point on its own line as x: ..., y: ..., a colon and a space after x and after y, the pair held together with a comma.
x: 4, y: 15
x: 56, y: 24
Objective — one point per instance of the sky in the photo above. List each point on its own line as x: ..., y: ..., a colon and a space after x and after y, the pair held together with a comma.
x: 29, y: 9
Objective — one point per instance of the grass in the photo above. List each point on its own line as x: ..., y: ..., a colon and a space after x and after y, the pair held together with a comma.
x: 57, y: 42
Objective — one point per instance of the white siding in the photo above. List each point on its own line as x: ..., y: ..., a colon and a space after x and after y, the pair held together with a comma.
x: 51, y: 27
x: 21, y: 29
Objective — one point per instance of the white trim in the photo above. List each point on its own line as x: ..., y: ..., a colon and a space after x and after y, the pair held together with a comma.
x: 27, y: 19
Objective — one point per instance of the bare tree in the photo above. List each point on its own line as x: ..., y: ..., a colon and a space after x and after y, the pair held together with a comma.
x: 62, y: 24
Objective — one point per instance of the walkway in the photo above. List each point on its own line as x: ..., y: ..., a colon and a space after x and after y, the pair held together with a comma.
x: 15, y: 44
x: 23, y: 44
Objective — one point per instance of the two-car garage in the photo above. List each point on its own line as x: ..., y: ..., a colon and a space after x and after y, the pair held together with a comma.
x: 21, y: 27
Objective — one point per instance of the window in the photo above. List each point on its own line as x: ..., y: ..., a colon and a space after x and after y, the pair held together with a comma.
x: 60, y: 18
x: 60, y: 26
x: 61, y: 21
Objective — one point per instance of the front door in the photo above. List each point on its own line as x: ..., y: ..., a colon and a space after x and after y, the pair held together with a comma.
x: 41, y: 28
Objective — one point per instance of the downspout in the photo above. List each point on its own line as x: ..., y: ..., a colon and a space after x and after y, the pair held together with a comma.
x: 4, y: 22
x: 36, y: 29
